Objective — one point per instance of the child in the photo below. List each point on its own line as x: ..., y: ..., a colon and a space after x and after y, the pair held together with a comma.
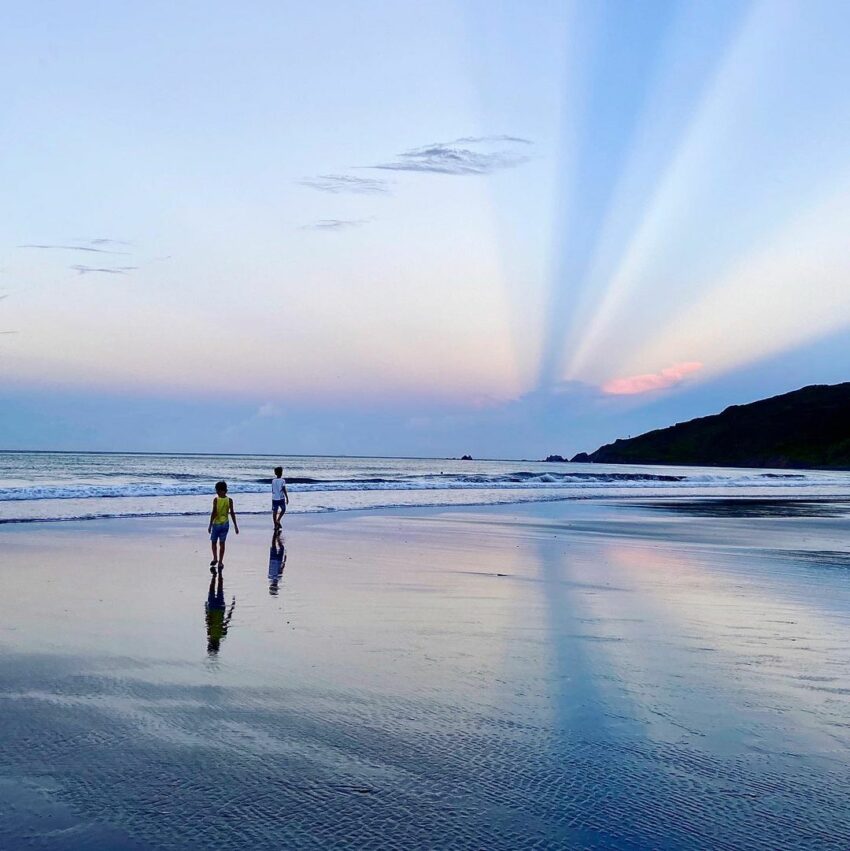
x: 280, y: 498
x: 222, y: 510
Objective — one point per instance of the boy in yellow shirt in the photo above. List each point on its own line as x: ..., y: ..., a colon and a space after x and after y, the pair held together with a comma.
x: 219, y: 526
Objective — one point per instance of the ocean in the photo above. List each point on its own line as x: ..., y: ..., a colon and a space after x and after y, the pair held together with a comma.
x: 56, y: 486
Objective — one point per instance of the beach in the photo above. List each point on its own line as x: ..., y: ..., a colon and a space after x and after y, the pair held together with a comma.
x: 573, y: 674
x: 425, y: 426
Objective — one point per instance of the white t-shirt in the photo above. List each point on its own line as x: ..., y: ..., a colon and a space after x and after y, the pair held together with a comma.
x: 277, y: 488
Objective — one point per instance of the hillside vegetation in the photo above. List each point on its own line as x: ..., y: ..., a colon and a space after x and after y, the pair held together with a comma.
x: 807, y: 428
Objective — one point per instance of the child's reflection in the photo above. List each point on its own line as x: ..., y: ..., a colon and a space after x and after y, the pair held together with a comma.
x: 277, y: 562
x: 218, y: 619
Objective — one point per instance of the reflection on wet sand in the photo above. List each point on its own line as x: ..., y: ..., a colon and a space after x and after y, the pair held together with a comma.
x: 748, y: 507
x: 218, y: 615
x: 277, y: 562
x: 697, y: 673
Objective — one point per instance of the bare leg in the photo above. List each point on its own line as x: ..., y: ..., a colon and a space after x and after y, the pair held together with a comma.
x: 214, y: 556
x: 221, y: 554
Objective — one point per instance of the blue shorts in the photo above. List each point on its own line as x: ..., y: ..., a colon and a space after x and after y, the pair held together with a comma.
x: 219, y: 532
x: 279, y: 504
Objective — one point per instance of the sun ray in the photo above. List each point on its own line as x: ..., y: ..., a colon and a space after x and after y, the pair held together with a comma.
x: 793, y: 289
x: 711, y: 129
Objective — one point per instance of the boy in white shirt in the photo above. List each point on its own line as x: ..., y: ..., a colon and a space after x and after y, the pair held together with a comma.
x: 280, y: 498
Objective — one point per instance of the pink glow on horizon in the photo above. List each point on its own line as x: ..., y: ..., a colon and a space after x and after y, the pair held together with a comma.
x: 652, y: 380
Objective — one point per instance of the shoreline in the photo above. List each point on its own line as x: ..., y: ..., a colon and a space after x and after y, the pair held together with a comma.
x: 684, y: 500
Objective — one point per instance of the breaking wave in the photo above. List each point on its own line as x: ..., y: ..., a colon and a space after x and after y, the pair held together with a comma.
x: 193, y: 486
x: 44, y: 487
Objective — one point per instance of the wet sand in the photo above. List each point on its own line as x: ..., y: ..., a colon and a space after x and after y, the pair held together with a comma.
x: 564, y: 675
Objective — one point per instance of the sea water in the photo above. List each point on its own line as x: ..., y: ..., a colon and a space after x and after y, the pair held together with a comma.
x: 39, y: 486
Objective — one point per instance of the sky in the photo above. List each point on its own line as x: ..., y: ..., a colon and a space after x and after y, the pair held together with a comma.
x: 392, y: 228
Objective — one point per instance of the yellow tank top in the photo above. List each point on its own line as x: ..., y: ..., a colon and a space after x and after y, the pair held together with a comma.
x: 222, y: 508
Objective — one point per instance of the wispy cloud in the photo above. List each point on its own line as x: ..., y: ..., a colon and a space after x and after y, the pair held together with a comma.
x: 109, y: 270
x: 91, y: 248
x: 466, y: 155
x: 474, y: 140
x: 335, y: 224
x: 105, y: 241
x: 647, y: 382
x: 341, y: 183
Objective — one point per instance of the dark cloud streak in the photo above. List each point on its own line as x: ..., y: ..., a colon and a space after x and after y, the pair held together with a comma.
x: 473, y: 140
x: 104, y: 241
x: 491, y: 154
x: 336, y: 184
x: 335, y: 224
x: 116, y: 270
x: 73, y: 248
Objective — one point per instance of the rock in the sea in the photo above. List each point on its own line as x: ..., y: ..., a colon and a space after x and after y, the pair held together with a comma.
x: 557, y: 459
x: 466, y: 458
x: 581, y: 458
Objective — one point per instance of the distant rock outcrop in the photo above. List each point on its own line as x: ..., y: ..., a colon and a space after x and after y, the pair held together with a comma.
x: 807, y: 428
x: 556, y: 459
x: 465, y: 457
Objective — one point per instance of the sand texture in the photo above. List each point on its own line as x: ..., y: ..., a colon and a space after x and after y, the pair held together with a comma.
x: 567, y: 675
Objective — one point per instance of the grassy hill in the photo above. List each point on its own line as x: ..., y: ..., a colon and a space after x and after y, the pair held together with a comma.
x: 807, y: 428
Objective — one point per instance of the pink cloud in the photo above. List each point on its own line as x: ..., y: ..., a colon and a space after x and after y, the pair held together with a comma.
x: 651, y: 380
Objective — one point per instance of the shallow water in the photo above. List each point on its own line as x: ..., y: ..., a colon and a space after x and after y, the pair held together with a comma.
x: 556, y: 676
x: 38, y: 486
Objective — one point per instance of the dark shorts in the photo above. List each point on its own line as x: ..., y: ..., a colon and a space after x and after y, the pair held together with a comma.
x: 219, y: 532
x: 279, y: 504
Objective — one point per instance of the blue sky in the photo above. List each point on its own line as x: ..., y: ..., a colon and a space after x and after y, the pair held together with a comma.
x: 507, y: 229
